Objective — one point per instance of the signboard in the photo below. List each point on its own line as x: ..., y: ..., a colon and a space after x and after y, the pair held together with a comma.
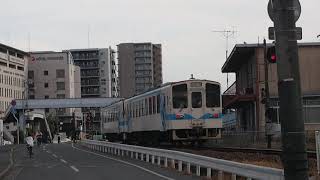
x: 272, y: 34
x: 317, y: 134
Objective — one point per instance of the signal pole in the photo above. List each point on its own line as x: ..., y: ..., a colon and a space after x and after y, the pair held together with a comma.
x: 267, y: 94
x: 284, y: 14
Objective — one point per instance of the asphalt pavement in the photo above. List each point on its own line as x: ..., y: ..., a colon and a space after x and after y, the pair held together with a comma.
x: 4, y: 157
x: 65, y: 161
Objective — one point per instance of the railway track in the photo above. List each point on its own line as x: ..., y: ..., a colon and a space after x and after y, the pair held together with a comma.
x: 277, y: 152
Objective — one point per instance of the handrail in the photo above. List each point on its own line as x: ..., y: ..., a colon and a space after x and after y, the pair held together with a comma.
x: 158, y: 155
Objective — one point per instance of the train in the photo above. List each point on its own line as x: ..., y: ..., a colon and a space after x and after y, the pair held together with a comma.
x: 177, y: 112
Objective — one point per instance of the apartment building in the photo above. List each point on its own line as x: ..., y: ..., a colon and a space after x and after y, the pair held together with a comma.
x: 13, y: 68
x: 140, y: 67
x: 53, y: 75
x: 98, y: 72
x: 247, y: 94
x: 98, y: 79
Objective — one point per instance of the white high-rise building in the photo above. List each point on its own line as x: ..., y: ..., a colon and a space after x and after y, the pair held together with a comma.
x: 13, y: 71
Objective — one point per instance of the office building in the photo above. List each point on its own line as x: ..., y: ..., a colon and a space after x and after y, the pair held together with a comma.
x: 53, y: 75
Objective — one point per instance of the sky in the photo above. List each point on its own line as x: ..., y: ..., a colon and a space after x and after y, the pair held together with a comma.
x: 183, y: 27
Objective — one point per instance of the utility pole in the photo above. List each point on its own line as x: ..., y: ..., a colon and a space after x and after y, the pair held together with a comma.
x: 227, y: 34
x: 285, y: 13
x: 267, y: 94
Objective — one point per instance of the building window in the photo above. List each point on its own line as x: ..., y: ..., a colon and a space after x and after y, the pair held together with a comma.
x: 30, y: 74
x: 46, y: 73
x: 47, y: 110
x: 46, y: 96
x: 60, y: 86
x: 46, y: 85
x: 61, y: 96
x: 60, y: 73
x: 31, y: 96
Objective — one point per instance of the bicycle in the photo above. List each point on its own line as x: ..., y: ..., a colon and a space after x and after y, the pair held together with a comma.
x: 29, y: 148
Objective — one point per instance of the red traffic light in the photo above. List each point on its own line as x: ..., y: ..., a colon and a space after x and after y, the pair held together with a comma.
x: 271, y: 55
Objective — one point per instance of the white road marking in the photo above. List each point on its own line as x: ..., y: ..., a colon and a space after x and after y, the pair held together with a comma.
x: 125, y: 162
x: 74, y: 168
x: 62, y: 160
x: 54, y: 155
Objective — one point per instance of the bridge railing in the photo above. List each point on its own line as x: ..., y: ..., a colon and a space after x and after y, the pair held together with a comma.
x: 187, y: 162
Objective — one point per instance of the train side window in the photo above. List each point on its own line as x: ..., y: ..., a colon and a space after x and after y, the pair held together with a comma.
x: 180, y: 96
x: 142, y: 107
x: 150, y: 106
x: 146, y: 106
x: 212, y: 95
x: 137, y: 109
x: 154, y: 104
x: 158, y: 104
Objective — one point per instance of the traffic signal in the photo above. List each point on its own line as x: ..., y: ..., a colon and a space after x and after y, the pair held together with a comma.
x: 271, y: 54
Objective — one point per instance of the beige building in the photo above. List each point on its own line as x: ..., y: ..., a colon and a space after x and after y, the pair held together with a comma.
x: 13, y: 67
x: 246, y: 95
x: 53, y: 75
x: 140, y: 67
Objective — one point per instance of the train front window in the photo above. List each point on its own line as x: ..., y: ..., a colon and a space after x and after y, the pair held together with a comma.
x: 212, y: 95
x: 196, y: 99
x: 180, y: 96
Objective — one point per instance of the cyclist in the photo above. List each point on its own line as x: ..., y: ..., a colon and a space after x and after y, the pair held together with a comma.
x: 29, y: 140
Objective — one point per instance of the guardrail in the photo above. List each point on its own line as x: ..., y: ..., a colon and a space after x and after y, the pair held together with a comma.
x: 187, y: 162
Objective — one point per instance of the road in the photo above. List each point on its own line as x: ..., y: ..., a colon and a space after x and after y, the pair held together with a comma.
x: 65, y: 161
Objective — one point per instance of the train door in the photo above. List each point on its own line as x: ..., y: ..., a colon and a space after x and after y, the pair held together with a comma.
x: 197, y: 109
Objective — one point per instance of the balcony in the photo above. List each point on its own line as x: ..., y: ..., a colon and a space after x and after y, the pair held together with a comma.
x: 232, y: 98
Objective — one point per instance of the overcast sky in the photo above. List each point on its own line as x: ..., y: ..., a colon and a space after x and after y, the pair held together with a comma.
x: 183, y: 27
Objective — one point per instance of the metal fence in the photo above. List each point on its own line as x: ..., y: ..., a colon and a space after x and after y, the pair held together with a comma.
x: 190, y: 163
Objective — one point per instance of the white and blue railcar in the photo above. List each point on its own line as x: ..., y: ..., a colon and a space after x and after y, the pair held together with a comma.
x: 181, y: 111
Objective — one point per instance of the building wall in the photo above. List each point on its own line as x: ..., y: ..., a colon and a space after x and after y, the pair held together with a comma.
x: 126, y: 59
x: 13, y: 68
x: 140, y: 67
x: 98, y: 77
x: 157, y: 58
